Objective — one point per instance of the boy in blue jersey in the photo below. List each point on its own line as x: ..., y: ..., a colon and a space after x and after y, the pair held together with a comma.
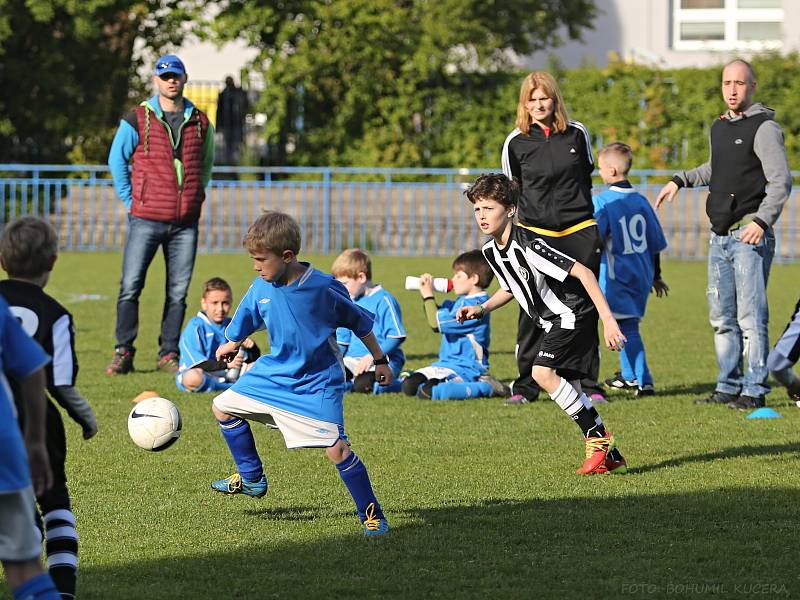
x: 22, y: 474
x: 461, y: 371
x: 630, y: 265
x: 297, y: 387
x: 353, y: 269
x: 199, y: 370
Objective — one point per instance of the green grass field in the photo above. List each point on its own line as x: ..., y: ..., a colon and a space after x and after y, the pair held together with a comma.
x: 482, y: 498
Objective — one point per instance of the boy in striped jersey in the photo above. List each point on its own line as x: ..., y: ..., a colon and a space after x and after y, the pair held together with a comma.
x: 28, y: 250
x: 562, y: 296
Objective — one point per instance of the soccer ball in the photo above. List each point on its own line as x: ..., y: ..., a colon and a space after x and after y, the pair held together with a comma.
x: 154, y: 424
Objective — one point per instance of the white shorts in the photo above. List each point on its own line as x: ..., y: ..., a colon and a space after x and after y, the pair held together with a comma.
x: 351, y: 361
x: 20, y: 539
x: 443, y: 373
x: 298, y: 431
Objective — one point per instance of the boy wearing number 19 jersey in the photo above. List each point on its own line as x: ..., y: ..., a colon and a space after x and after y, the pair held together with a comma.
x: 630, y: 264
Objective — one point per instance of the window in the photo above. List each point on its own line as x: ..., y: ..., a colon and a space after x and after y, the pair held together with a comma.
x: 727, y: 25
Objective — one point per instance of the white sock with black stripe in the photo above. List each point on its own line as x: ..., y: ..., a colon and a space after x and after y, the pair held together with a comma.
x: 579, y: 408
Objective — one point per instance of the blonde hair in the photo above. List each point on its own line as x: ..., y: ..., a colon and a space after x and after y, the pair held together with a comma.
x: 273, y: 231
x: 544, y: 81
x: 28, y: 246
x: 351, y: 262
x: 619, y: 154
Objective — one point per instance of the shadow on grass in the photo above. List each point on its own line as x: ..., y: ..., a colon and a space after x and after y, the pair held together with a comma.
x: 693, y: 389
x: 767, y: 450
x: 630, y: 546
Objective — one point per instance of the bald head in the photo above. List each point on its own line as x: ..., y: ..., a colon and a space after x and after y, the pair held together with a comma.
x: 738, y: 85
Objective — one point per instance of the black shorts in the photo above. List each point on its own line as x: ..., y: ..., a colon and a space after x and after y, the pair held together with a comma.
x: 569, y: 351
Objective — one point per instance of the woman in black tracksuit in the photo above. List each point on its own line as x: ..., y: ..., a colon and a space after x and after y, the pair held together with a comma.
x: 551, y: 159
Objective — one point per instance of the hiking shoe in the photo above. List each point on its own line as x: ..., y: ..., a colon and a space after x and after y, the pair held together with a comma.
x: 498, y: 387
x: 747, y: 402
x: 235, y: 484
x: 645, y: 390
x: 617, y: 382
x: 168, y: 363
x: 121, y: 363
x: 516, y: 400
x: 717, y: 398
x: 596, y: 453
x: 374, y: 525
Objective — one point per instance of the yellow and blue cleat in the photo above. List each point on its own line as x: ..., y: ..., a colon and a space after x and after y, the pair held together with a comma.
x: 374, y: 525
x: 235, y: 484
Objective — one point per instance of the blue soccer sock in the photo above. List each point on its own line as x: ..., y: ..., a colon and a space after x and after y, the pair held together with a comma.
x: 242, y: 445
x: 355, y: 477
x: 632, y: 359
x: 40, y: 587
x: 459, y: 390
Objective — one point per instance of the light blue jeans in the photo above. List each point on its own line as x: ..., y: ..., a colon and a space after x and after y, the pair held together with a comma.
x: 738, y: 311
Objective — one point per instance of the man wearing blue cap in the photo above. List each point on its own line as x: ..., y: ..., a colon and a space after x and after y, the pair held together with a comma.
x: 170, y: 144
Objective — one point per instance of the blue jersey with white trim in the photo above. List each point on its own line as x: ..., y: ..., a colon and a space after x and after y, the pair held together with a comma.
x: 303, y: 372
x: 200, y: 339
x: 465, y: 346
x: 388, y: 328
x: 20, y: 356
x: 632, y: 237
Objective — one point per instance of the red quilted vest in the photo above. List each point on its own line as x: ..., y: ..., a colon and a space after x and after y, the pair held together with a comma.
x: 156, y: 194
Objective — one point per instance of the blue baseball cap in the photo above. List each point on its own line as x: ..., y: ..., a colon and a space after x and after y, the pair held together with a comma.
x: 169, y: 63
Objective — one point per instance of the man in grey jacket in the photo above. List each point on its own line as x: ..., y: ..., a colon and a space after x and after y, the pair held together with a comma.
x: 749, y: 182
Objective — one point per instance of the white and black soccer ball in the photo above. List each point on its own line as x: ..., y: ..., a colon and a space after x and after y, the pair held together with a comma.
x: 154, y: 424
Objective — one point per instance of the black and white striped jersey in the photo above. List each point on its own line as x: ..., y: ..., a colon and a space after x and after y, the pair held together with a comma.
x: 538, y: 276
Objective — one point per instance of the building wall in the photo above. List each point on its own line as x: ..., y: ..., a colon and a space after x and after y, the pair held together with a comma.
x: 641, y: 31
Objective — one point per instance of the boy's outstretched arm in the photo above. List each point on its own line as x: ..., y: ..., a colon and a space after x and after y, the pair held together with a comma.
x: 499, y: 299
x: 611, y: 333
x: 383, y: 373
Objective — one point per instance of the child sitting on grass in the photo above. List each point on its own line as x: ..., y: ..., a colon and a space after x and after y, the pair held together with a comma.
x: 199, y: 369
x: 462, y: 369
x: 353, y: 269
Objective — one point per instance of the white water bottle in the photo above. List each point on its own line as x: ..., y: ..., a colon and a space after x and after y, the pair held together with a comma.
x: 232, y: 374
x: 440, y: 284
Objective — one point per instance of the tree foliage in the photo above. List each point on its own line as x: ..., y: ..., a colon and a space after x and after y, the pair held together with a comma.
x: 378, y: 82
x: 66, y: 70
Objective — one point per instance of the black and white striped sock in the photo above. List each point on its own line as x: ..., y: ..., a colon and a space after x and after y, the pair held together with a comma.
x: 61, y: 546
x: 579, y: 408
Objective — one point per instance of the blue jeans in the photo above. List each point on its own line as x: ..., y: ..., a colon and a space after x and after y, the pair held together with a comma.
x: 738, y: 311
x: 180, y: 247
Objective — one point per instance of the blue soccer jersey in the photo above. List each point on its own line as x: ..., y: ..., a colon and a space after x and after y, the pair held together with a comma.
x: 303, y: 372
x: 388, y: 328
x: 200, y: 339
x: 632, y: 236
x: 465, y: 346
x: 20, y: 356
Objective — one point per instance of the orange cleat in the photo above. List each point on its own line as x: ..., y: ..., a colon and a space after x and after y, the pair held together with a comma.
x: 596, y: 454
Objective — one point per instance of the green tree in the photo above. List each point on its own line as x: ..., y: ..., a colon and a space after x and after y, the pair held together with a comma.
x: 391, y: 82
x: 67, y: 68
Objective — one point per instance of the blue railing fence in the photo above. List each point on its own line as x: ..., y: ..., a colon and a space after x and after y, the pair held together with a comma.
x: 387, y: 211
